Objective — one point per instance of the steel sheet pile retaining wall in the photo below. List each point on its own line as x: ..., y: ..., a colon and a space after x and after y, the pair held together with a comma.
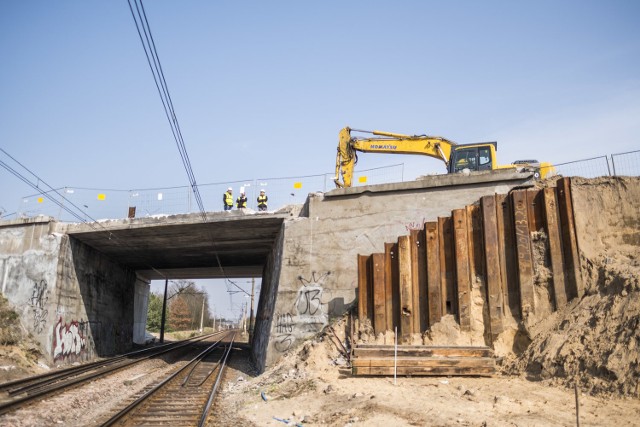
x: 429, y: 273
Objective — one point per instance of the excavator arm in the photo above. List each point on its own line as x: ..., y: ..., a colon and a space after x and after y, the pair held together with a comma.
x: 348, y: 146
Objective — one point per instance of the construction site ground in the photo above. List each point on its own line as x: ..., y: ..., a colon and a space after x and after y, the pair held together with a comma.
x: 314, y: 387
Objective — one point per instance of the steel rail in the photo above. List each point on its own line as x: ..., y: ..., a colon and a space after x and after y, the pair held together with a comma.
x: 49, y: 386
x: 146, y: 396
x: 42, y: 383
x: 66, y: 372
x: 207, y: 408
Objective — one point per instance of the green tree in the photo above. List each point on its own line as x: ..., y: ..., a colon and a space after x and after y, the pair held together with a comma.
x: 154, y: 313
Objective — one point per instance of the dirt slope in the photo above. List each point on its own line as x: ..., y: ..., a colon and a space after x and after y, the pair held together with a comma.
x: 19, y: 353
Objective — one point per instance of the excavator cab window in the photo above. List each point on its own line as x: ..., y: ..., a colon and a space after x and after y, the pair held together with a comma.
x: 465, y: 159
x: 484, y: 155
x: 472, y: 158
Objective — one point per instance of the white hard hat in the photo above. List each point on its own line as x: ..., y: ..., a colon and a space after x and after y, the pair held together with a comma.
x: 229, y: 189
x: 262, y: 191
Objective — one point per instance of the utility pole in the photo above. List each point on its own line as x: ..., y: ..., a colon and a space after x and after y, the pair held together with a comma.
x: 251, y: 319
x: 164, y: 311
x: 244, y: 319
x: 202, y: 314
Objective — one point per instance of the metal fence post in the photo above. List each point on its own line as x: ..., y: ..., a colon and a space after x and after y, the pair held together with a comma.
x: 613, y: 163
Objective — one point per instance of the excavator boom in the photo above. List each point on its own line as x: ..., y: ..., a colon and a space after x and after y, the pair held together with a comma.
x: 479, y: 156
x: 432, y: 146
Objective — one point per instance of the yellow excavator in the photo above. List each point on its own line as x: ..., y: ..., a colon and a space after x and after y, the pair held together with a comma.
x: 457, y: 157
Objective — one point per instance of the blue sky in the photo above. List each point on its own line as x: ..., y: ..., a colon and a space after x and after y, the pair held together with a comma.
x: 262, y: 88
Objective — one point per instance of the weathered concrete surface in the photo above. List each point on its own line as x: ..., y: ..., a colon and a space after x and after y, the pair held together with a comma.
x: 74, y: 301
x: 267, y: 303
x: 82, y: 289
x: 28, y: 273
x: 318, y: 275
x: 140, y: 308
x: 185, y: 246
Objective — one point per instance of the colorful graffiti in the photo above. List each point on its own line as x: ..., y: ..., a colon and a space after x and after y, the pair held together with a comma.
x: 67, y: 340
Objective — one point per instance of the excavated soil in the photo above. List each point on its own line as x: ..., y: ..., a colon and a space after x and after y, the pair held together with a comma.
x: 313, y: 386
x: 594, y: 342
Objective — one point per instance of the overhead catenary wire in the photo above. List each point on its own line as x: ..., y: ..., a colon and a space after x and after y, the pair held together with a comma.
x: 79, y: 214
x: 44, y: 193
x: 153, y: 59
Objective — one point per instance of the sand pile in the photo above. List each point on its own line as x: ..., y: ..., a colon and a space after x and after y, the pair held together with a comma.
x: 595, y: 341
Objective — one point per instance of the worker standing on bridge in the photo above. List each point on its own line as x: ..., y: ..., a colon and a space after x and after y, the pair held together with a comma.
x: 241, y: 201
x: 227, y: 199
x: 262, y: 201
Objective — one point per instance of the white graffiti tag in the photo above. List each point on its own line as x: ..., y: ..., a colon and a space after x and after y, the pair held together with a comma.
x: 67, y: 340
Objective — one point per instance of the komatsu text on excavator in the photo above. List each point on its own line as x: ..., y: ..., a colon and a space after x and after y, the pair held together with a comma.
x: 457, y: 157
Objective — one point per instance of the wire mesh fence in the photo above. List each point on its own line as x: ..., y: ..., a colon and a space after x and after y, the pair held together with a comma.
x: 626, y: 164
x: 90, y: 204
x: 76, y: 204
x: 586, y: 168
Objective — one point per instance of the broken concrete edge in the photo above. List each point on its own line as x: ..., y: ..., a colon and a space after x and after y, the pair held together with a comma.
x: 129, y: 223
x: 435, y: 181
x: 40, y: 219
x: 126, y: 223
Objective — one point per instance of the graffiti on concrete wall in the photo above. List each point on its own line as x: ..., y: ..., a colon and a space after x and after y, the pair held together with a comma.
x: 37, y: 302
x: 309, y: 301
x: 68, y: 340
x: 284, y: 332
x: 309, y: 314
x: 415, y: 225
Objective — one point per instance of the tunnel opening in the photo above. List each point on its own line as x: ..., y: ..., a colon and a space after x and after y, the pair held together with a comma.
x: 144, y: 252
x: 202, y: 306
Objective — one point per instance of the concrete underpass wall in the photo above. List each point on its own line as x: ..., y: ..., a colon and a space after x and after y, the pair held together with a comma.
x: 318, y: 276
x: 29, y: 252
x: 140, y: 308
x: 266, y: 303
x: 98, y: 296
x: 73, y: 300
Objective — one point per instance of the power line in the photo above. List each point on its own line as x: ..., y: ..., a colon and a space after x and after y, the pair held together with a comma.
x: 149, y: 46
x: 78, y: 214
x: 153, y: 60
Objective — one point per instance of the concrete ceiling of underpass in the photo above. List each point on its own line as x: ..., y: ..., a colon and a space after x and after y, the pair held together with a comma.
x: 185, y: 246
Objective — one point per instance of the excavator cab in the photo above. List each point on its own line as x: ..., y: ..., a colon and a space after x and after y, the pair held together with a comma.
x: 474, y: 157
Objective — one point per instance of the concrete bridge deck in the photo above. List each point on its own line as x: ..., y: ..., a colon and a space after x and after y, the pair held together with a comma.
x: 228, y: 244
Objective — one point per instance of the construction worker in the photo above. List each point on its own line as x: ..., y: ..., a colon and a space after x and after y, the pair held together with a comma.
x: 227, y: 199
x: 241, y: 201
x: 262, y: 201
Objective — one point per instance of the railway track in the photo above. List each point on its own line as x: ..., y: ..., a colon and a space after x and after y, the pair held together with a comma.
x: 185, y: 397
x: 18, y: 393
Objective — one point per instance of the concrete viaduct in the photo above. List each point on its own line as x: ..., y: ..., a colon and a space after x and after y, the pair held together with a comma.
x: 82, y: 289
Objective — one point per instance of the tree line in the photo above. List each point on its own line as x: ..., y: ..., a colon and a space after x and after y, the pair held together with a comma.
x: 184, y: 308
